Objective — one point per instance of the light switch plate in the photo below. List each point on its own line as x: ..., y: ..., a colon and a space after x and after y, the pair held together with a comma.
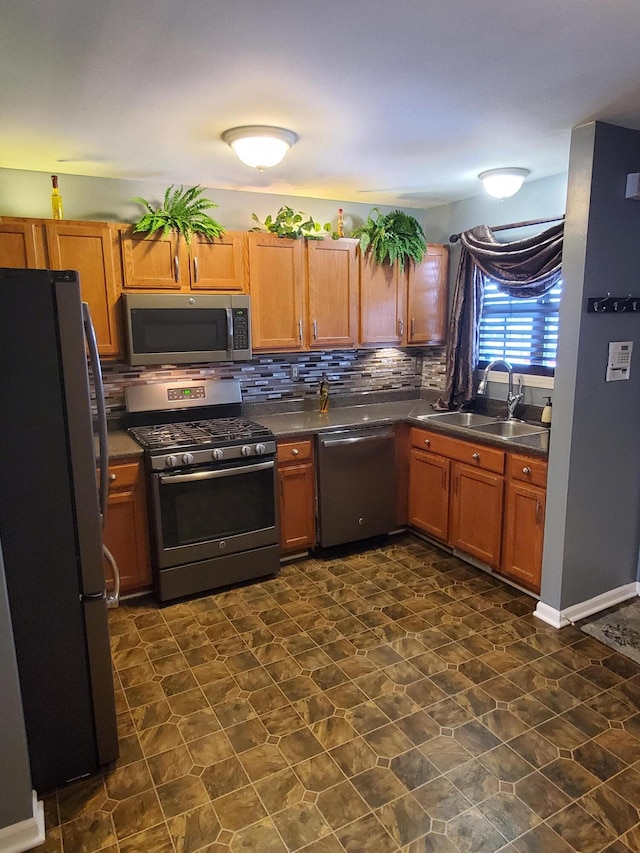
x: 619, y: 361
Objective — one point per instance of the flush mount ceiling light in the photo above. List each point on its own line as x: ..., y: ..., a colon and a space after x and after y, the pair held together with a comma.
x: 259, y: 145
x: 503, y: 183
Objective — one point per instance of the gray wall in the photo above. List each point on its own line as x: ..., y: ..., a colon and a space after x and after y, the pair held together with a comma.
x: 593, y: 501
x: 15, y: 786
x: 24, y: 193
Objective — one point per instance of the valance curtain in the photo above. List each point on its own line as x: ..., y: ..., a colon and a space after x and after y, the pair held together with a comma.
x: 522, y: 268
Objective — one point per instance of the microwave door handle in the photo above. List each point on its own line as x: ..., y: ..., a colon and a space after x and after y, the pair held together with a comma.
x: 229, y: 330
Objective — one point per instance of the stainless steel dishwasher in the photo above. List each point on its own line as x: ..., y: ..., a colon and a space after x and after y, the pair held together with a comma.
x: 356, y: 484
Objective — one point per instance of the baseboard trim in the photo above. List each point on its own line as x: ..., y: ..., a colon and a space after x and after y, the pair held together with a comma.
x: 26, y: 834
x: 573, y: 614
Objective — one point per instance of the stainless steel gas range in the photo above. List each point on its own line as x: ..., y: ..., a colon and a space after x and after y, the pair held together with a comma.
x: 211, y: 478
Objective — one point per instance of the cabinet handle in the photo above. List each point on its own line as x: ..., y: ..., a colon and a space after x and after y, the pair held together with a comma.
x: 526, y: 470
x: 475, y: 456
x: 195, y: 270
x: 295, y: 451
x: 400, y: 328
x: 112, y: 477
x: 281, y: 488
x: 537, y: 510
x: 413, y: 328
x: 300, y: 330
x: 176, y: 268
x: 427, y: 442
x: 315, y: 329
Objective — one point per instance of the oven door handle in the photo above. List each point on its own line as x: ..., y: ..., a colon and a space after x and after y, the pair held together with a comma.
x: 212, y: 475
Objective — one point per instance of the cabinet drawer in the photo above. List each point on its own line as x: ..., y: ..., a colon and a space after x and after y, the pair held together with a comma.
x: 295, y: 451
x: 527, y: 470
x: 123, y: 475
x: 479, y: 455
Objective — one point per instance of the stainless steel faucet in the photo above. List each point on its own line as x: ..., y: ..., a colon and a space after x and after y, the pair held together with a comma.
x: 512, y: 399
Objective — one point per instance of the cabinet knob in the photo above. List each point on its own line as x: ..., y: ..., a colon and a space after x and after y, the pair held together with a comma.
x: 295, y: 451
x: 427, y: 442
x: 475, y: 456
x: 112, y: 477
x: 526, y: 470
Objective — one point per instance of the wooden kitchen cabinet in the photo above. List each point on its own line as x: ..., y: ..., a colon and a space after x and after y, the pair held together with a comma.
x: 476, y: 513
x: 523, y: 535
x: 332, y: 277
x: 89, y: 248
x: 429, y: 493
x: 160, y: 263
x: 278, y: 284
x: 22, y: 243
x: 382, y: 303
x: 126, y: 532
x: 296, y: 481
x: 427, y: 298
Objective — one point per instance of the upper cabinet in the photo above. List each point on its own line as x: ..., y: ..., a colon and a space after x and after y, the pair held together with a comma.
x: 405, y: 307
x: 158, y: 263
x: 89, y: 248
x: 278, y: 283
x: 332, y: 316
x: 21, y: 244
x: 427, y: 289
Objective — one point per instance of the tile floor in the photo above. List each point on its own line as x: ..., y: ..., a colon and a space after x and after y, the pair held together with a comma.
x: 389, y: 700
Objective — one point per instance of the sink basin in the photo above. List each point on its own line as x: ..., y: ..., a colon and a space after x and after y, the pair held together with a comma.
x: 461, y: 419
x: 508, y: 429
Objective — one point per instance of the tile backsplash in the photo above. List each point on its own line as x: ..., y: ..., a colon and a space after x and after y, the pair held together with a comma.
x: 295, y: 376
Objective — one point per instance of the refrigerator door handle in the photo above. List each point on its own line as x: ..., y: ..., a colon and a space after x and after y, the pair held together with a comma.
x: 94, y: 358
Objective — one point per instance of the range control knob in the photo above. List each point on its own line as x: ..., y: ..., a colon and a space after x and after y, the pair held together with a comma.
x: 260, y: 449
x: 170, y: 461
x: 187, y: 458
x: 217, y: 453
x: 246, y: 450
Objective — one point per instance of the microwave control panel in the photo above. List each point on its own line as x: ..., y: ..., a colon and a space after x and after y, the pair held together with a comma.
x: 240, y: 328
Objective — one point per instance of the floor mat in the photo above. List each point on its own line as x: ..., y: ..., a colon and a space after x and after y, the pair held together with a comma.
x: 619, y: 629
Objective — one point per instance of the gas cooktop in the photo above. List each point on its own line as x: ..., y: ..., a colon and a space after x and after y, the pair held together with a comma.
x: 214, y: 432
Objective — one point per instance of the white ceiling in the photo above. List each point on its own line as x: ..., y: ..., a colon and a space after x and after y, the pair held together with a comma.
x: 398, y: 102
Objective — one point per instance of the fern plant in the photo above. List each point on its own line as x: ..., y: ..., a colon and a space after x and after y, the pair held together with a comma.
x: 183, y: 211
x: 392, y: 236
x: 290, y: 223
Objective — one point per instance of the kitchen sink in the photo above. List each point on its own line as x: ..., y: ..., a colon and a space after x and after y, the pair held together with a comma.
x: 508, y: 429
x: 461, y: 419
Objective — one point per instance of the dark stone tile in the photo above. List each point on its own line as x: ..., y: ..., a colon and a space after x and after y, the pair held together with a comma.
x: 471, y: 832
x: 541, y: 795
x: 597, y: 760
x: 299, y: 745
x: 388, y: 741
x: 418, y: 727
x: 505, y: 764
x: 570, y: 777
x: 404, y: 820
x: 239, y: 809
x: 354, y: 757
x: 441, y: 799
x: 318, y: 773
x: 476, y: 738
x: 561, y: 733
x: 378, y: 786
x: 341, y: 804
x: 542, y: 839
x: 280, y: 791
x: 445, y: 752
x: 534, y: 748
x: 474, y: 781
x: 580, y: 830
x: 627, y: 784
x: 413, y: 769
x: 614, y: 813
x: 182, y: 795
x: 621, y: 744
x: 509, y: 815
x: 366, y: 834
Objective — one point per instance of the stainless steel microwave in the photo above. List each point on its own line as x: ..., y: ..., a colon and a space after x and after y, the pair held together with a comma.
x: 186, y: 329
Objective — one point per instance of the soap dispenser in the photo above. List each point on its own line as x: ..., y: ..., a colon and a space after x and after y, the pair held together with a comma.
x: 545, y: 418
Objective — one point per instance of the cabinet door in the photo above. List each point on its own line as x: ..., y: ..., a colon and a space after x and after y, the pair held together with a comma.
x: 219, y: 265
x: 381, y: 303
x: 276, y: 275
x: 89, y: 248
x: 333, y: 293
x: 427, y: 287
x: 429, y: 493
x: 153, y: 263
x: 125, y: 534
x: 21, y: 244
x: 523, y: 535
x: 476, y: 513
x: 297, y: 507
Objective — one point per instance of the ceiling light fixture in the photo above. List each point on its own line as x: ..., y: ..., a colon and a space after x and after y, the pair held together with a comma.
x: 259, y: 145
x: 503, y: 183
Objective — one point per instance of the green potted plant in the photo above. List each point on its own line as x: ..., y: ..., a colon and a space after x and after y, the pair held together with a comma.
x: 392, y: 236
x: 290, y: 223
x: 182, y: 211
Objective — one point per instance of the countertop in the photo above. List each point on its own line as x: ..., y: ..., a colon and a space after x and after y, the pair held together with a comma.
x: 309, y: 422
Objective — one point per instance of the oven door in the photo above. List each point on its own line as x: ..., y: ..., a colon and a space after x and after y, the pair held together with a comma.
x: 213, y: 511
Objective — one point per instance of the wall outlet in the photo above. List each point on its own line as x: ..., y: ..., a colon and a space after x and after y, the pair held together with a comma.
x: 294, y: 372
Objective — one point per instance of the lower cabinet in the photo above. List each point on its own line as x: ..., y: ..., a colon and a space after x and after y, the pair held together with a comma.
x: 297, y: 488
x: 523, y: 534
x: 458, y: 494
x: 126, y: 533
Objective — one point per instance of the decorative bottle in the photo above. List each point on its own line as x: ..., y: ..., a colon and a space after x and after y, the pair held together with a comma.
x: 340, y: 222
x: 324, y: 394
x: 56, y: 199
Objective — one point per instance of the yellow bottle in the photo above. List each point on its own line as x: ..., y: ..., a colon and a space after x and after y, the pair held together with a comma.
x: 56, y: 199
x: 324, y: 395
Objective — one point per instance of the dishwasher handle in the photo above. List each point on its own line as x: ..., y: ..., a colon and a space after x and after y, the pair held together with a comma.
x: 361, y: 439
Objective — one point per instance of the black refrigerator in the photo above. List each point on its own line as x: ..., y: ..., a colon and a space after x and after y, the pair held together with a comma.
x: 50, y: 528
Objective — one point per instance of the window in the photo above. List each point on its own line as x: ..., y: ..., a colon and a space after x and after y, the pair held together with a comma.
x: 522, y: 331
